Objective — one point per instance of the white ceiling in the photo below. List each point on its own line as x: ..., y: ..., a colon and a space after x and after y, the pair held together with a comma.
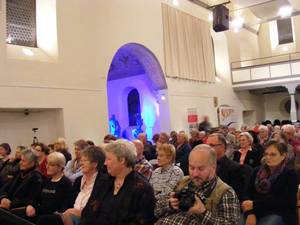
x: 256, y: 12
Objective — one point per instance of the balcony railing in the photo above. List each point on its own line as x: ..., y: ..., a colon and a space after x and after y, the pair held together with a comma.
x: 269, y: 69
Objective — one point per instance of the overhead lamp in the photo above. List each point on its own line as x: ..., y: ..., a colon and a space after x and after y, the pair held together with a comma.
x: 218, y: 79
x: 163, y: 97
x: 27, y: 51
x: 175, y: 2
x: 238, y: 22
x: 210, y: 17
x: 285, y: 11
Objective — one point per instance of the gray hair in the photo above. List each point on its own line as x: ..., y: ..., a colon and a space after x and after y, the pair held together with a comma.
x: 94, y: 154
x: 123, y: 149
x: 248, y: 136
x: 30, y: 156
x: 57, y: 158
x: 263, y: 127
x: 206, y: 148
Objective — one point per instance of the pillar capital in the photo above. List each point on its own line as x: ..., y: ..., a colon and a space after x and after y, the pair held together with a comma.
x: 291, y: 87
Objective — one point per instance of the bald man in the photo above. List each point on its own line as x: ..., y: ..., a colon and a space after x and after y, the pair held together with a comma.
x: 215, y: 202
x: 142, y: 165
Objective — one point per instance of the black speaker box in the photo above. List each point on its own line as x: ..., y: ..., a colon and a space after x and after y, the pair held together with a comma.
x: 220, y: 18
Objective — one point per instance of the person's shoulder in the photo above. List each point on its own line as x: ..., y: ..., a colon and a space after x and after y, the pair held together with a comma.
x: 177, y: 169
x: 290, y: 172
x: 66, y: 181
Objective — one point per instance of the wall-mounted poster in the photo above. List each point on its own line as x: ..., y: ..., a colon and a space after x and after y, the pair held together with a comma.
x: 227, y: 115
x: 192, y: 117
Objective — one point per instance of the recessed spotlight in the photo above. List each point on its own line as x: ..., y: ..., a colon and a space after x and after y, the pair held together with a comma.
x: 27, y: 51
x: 175, y: 2
x: 285, y: 11
x: 163, y: 97
x: 238, y: 22
x: 210, y: 17
x: 218, y: 79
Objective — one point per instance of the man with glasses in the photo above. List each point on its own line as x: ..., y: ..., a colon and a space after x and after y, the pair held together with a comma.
x: 232, y: 173
x: 208, y: 200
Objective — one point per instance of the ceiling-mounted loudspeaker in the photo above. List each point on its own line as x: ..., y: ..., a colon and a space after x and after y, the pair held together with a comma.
x: 220, y: 18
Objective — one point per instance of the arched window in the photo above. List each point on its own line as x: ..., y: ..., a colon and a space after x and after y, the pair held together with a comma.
x: 21, y: 22
x: 134, y: 109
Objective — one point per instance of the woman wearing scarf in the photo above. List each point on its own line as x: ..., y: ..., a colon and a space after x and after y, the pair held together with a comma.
x: 272, y: 190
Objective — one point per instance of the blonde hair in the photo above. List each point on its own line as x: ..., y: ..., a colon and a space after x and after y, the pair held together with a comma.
x: 169, y: 150
x: 57, y: 158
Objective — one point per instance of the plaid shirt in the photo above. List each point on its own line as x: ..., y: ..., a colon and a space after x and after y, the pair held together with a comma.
x: 143, y: 167
x: 228, y: 212
x: 163, y: 181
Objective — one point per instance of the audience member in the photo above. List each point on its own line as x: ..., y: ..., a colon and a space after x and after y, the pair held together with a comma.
x: 246, y: 154
x: 182, y: 152
x: 11, y: 167
x: 92, y: 161
x: 173, y: 138
x: 41, y: 151
x: 263, y: 135
x: 142, y: 165
x: 272, y: 193
x: 232, y: 173
x: 24, y: 189
x: 149, y: 149
x: 109, y: 138
x: 214, y: 201
x: 55, y: 191
x: 122, y: 197
x: 165, y: 178
x: 195, y: 138
x: 5, y: 150
x: 73, y: 169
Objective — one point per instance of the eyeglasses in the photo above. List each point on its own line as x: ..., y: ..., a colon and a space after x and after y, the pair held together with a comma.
x: 272, y: 155
x: 214, y: 145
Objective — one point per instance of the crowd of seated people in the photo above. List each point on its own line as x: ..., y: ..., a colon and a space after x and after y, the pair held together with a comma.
x: 220, y: 175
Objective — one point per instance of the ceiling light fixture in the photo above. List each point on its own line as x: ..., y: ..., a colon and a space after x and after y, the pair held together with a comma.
x: 27, y: 51
x: 210, y: 17
x: 175, y: 2
x: 238, y: 22
x: 285, y: 11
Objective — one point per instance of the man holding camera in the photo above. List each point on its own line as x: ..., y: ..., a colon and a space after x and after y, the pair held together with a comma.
x: 200, y: 198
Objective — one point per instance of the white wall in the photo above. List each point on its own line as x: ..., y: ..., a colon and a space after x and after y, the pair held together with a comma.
x: 16, y: 127
x: 73, y: 76
x: 274, y: 106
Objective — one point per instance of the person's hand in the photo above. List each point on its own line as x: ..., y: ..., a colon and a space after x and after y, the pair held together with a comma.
x: 5, y: 203
x: 247, y: 205
x: 251, y: 220
x: 72, y: 211
x: 30, y: 211
x: 174, y: 202
x: 198, y: 206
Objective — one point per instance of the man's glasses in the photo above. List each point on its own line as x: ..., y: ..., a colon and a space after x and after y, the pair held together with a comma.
x: 214, y: 145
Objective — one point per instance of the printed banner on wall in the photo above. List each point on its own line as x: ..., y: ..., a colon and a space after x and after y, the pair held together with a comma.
x: 227, y: 115
x: 192, y: 117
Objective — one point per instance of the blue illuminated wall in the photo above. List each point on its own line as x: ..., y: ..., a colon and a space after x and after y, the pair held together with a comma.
x: 135, y: 67
x: 117, y: 92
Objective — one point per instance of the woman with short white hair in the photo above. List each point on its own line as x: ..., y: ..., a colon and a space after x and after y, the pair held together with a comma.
x: 247, y: 154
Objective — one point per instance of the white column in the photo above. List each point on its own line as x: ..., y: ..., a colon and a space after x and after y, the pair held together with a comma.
x: 293, y: 112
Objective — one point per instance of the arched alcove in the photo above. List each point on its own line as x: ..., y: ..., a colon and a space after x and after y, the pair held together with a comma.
x: 135, y: 73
